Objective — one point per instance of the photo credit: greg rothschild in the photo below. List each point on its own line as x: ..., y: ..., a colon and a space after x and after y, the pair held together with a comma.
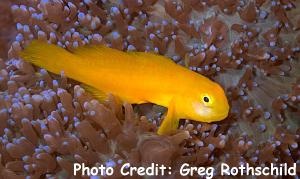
x: 126, y: 169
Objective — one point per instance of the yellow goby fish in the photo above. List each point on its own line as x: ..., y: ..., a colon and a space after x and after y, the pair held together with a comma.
x: 136, y: 77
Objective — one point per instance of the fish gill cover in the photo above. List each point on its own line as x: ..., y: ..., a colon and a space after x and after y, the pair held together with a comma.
x: 48, y: 122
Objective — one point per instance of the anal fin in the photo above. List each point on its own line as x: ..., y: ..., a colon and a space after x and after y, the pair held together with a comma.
x: 96, y: 93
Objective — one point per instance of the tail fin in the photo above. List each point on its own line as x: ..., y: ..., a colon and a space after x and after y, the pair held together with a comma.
x: 48, y: 56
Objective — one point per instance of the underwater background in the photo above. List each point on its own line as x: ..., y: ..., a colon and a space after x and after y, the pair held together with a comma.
x: 48, y: 122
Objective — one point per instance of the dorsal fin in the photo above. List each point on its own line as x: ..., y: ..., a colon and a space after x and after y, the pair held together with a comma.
x: 96, y: 51
x: 151, y: 56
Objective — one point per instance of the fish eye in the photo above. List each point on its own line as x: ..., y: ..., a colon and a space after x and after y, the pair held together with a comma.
x: 206, y: 99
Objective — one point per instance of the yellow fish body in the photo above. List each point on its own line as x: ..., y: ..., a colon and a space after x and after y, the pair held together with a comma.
x: 136, y: 77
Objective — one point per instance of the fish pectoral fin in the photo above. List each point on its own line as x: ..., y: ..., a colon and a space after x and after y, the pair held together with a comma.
x: 96, y: 93
x: 170, y: 122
